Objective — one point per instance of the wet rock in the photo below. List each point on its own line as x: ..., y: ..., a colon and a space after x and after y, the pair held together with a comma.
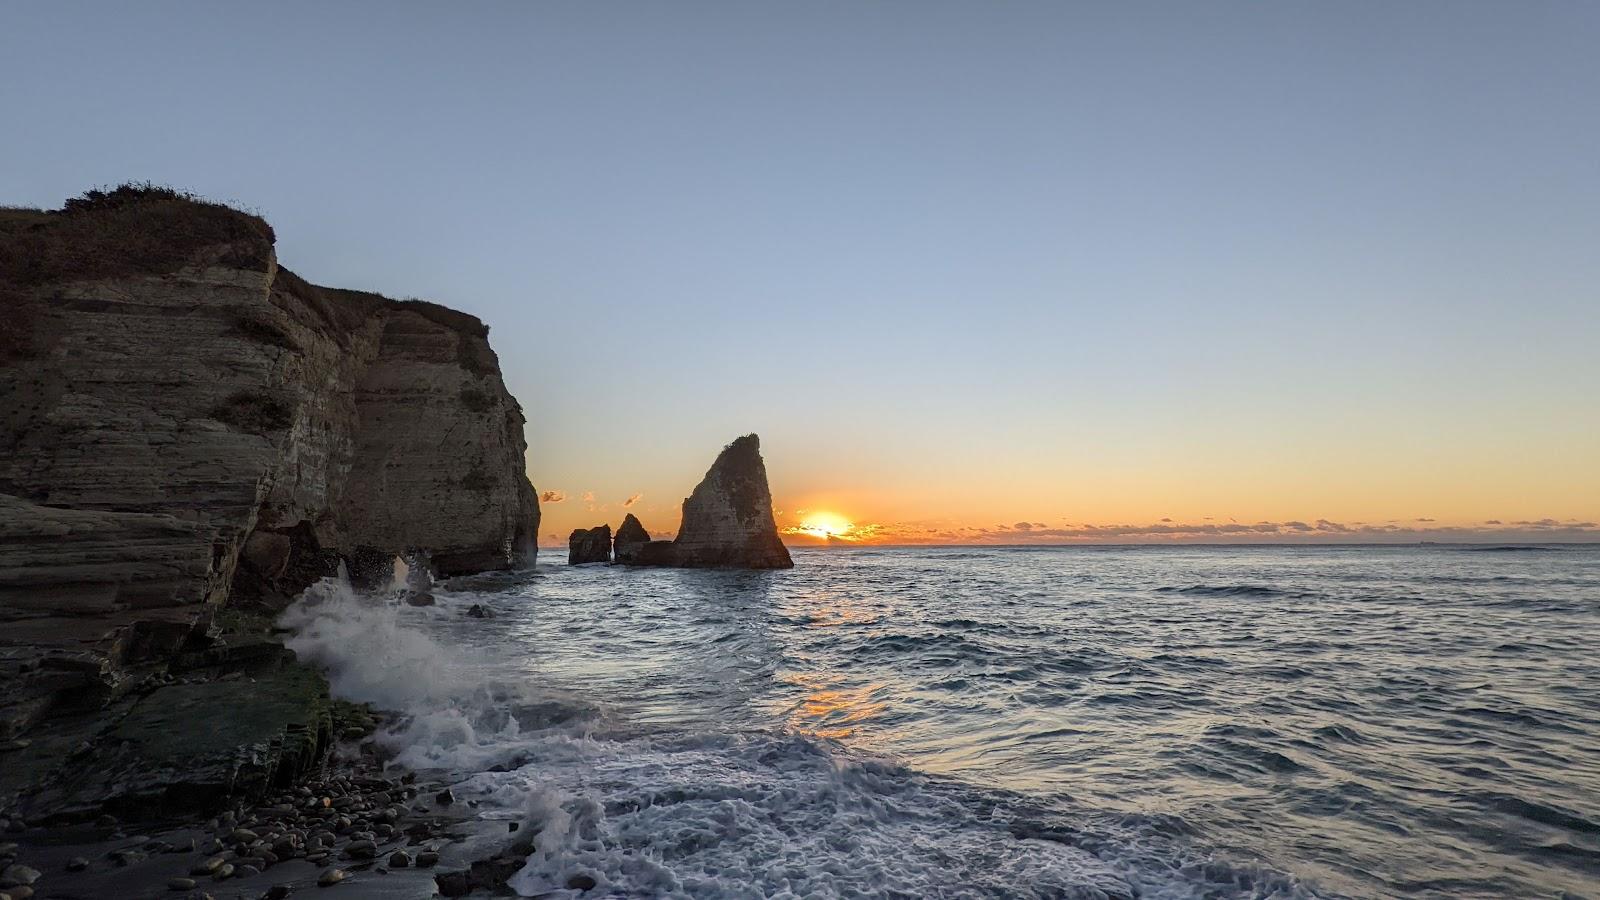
x: 361, y: 850
x: 223, y: 872
x: 278, y: 892
x: 77, y: 864
x: 591, y: 545
x: 453, y: 884
x: 181, y: 884
x: 18, y: 874
x: 581, y: 883
x: 331, y: 877
x: 399, y: 860
x: 444, y: 798
x: 479, y: 611
x: 427, y: 859
x: 189, y: 746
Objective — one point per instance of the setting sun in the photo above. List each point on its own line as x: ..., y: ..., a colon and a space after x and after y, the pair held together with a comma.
x: 824, y: 525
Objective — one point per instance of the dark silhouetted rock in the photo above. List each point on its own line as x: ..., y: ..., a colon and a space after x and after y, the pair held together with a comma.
x: 727, y: 521
x: 630, y: 537
x: 589, y: 546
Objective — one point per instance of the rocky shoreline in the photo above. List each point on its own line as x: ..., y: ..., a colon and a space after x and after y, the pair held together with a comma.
x: 190, y: 436
x: 354, y: 823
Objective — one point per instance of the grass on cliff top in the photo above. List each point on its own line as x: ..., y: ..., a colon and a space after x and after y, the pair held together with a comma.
x: 133, y: 229
x: 146, y: 229
x: 347, y: 309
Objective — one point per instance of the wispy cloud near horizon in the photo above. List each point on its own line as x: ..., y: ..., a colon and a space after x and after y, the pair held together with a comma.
x: 1168, y: 531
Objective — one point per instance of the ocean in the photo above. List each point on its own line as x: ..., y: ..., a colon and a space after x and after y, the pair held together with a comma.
x: 1084, y: 722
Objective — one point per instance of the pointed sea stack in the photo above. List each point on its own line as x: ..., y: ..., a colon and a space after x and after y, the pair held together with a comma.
x: 591, y: 545
x: 727, y: 521
x: 630, y: 537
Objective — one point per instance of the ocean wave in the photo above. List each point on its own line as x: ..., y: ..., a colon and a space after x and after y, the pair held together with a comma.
x: 707, y: 813
x: 1232, y: 590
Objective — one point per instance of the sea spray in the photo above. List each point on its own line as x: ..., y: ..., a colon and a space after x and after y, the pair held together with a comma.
x: 523, y: 716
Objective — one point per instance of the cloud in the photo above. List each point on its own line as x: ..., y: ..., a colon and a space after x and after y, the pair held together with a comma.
x: 632, y: 500
x: 588, y: 496
x: 1424, y: 519
x: 552, y: 496
x: 1023, y: 526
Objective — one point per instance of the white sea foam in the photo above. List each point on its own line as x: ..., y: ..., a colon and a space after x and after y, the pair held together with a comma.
x: 681, y: 813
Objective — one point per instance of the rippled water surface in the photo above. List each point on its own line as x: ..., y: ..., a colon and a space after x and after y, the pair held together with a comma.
x: 1055, y: 722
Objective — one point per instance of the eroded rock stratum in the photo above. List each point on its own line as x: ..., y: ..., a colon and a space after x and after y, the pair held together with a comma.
x: 187, y: 425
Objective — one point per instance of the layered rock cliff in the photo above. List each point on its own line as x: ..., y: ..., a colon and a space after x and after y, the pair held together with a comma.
x: 727, y: 520
x: 185, y: 424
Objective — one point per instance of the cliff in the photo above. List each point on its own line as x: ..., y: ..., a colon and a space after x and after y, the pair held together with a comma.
x: 186, y: 425
x: 727, y: 520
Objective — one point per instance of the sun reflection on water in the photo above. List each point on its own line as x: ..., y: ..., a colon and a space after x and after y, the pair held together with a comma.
x: 830, y: 709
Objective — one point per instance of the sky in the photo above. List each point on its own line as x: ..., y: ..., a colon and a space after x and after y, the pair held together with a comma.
x: 1115, y: 271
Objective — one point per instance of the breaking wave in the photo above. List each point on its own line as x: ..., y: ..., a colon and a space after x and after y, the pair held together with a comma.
x: 1049, y: 724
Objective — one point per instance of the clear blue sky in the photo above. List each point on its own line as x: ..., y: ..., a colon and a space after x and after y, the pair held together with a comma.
x: 959, y: 263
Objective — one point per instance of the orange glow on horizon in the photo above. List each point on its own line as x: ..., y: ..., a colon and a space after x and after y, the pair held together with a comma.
x: 824, y: 526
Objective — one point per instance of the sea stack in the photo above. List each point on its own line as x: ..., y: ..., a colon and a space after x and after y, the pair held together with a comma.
x: 727, y: 521
x: 630, y: 537
x: 589, y: 545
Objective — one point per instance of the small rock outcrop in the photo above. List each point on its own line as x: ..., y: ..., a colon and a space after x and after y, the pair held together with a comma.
x: 727, y: 520
x: 589, y: 545
x: 630, y: 537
